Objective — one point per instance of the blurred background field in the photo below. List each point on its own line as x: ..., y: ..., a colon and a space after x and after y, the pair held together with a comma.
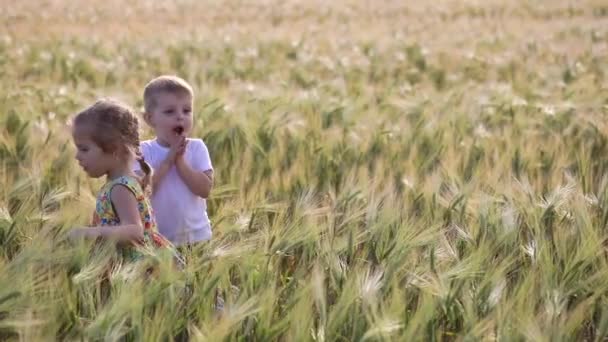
x: 384, y: 170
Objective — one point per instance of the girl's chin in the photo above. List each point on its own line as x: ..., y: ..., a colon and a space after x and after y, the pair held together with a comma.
x: 90, y: 174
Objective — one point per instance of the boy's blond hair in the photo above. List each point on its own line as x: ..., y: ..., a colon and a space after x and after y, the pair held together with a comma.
x: 165, y: 83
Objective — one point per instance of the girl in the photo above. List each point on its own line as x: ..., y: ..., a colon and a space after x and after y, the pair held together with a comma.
x: 107, y: 141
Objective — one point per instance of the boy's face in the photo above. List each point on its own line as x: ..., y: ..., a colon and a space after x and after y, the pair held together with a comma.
x: 171, y: 116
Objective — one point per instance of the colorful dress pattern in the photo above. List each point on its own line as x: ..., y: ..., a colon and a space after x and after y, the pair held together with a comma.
x: 105, y: 215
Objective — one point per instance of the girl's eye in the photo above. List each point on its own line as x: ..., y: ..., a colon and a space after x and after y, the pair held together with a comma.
x: 188, y: 111
x: 169, y: 111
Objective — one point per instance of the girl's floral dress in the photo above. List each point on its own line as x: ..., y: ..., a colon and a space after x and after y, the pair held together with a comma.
x: 105, y: 215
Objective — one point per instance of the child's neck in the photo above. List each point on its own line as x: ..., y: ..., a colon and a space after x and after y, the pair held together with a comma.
x: 119, y: 172
x: 162, y: 143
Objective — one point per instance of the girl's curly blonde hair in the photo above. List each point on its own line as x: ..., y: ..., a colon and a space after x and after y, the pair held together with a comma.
x: 114, y: 127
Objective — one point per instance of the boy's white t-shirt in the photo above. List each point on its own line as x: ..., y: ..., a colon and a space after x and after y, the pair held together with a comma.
x: 181, y: 215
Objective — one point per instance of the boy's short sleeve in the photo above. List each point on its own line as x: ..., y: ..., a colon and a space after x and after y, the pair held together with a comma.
x: 147, y: 152
x: 201, y: 161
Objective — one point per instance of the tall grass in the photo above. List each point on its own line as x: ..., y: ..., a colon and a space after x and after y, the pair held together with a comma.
x: 403, y: 188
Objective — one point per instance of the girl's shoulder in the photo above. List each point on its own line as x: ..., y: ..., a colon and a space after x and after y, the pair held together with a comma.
x: 129, y: 182
x: 126, y: 180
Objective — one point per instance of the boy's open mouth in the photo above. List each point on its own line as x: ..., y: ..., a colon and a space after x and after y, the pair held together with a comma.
x: 178, y: 130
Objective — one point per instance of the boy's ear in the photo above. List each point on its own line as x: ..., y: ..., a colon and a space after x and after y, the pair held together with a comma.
x: 147, y: 118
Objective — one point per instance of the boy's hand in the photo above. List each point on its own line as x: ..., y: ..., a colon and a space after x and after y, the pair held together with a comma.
x: 182, y: 149
x: 177, y: 149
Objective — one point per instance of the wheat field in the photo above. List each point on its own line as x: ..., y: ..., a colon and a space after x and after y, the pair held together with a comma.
x: 385, y: 171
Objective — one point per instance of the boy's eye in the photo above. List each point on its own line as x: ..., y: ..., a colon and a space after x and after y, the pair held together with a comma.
x: 188, y: 110
x: 168, y: 111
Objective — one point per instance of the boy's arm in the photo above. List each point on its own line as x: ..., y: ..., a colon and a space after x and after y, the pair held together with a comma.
x: 199, y: 182
x: 126, y: 207
x: 198, y: 176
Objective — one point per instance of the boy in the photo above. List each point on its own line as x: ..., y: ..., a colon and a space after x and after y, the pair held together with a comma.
x: 183, y: 175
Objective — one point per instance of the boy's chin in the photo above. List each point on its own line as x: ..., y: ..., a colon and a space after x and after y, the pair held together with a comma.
x: 173, y: 137
x: 180, y: 133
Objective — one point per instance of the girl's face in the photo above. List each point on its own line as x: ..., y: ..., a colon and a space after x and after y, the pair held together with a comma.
x: 94, y: 161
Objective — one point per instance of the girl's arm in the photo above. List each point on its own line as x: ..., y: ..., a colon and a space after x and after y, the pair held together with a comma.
x: 130, y: 228
x: 199, y: 182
